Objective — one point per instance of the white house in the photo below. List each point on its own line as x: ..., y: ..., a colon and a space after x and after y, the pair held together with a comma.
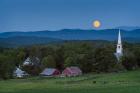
x: 27, y: 61
x: 33, y: 61
x: 19, y: 73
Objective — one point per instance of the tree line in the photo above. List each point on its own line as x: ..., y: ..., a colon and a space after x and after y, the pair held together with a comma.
x: 88, y: 55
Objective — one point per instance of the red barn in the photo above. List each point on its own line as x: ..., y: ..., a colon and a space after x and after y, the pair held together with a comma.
x: 72, y: 71
x: 50, y: 72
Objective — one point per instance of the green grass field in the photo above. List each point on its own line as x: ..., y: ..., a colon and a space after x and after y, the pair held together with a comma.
x: 125, y: 82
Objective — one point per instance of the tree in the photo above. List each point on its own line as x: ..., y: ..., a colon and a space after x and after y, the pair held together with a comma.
x: 136, y: 53
x: 129, y: 60
x: 86, y: 61
x: 49, y: 62
x: 70, y: 61
x: 45, y: 51
x: 32, y: 69
x: 105, y: 60
x: 59, y: 58
x: 20, y: 57
x: 34, y: 51
x: 6, y: 67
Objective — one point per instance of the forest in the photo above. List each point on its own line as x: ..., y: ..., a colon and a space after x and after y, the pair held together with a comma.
x: 89, y: 56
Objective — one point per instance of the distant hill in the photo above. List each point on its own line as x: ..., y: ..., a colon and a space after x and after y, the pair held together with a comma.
x: 45, y: 37
x: 128, y: 28
x: 18, y: 41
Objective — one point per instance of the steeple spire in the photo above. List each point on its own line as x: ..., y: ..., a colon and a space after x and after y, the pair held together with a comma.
x: 119, y: 37
x: 119, y: 45
x: 119, y: 49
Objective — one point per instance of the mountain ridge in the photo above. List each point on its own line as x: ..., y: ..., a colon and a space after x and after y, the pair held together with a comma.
x: 45, y: 37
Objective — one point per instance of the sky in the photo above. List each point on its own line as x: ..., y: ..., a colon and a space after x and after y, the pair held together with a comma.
x: 37, y: 15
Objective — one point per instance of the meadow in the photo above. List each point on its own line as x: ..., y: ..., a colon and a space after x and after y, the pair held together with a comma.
x: 124, y: 82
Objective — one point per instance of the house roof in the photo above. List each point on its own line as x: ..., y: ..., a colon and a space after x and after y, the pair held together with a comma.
x: 19, y: 71
x: 27, y: 61
x: 32, y: 61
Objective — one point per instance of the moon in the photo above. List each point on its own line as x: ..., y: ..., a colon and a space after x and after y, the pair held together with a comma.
x: 96, y: 23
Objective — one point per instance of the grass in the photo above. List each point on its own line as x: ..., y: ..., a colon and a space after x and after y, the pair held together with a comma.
x: 126, y: 82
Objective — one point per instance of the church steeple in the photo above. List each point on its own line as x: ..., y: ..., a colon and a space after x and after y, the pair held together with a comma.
x: 119, y: 45
x: 119, y: 37
x: 119, y: 49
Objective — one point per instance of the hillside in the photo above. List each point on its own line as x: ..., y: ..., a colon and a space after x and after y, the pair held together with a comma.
x: 18, y: 41
x: 77, y: 34
x: 14, y: 39
x: 128, y: 28
x: 125, y: 82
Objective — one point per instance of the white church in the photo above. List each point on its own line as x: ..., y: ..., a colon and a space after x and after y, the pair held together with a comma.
x: 119, y: 49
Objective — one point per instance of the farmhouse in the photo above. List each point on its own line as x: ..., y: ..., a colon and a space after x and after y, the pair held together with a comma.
x: 27, y: 61
x: 31, y: 61
x: 50, y: 72
x: 19, y: 73
x: 72, y: 71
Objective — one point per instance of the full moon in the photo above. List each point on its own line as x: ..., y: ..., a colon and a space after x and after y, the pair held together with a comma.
x: 96, y: 23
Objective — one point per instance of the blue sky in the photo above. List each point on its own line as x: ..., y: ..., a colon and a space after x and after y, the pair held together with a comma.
x: 36, y: 15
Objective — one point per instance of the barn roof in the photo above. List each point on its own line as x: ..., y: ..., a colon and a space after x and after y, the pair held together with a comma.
x: 48, y: 71
x: 74, y: 69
